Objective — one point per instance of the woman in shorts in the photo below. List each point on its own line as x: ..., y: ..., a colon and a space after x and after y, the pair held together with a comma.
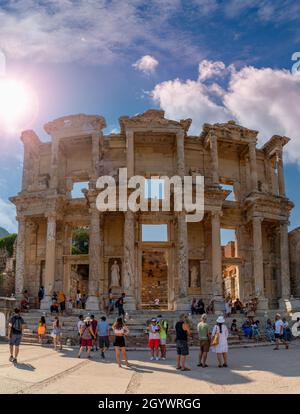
x: 120, y: 330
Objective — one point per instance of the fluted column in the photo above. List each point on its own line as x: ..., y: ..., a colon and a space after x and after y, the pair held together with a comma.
x: 285, y: 264
x: 253, y: 165
x: 54, y: 163
x: 182, y: 255
x: 214, y: 157
x: 280, y: 174
x: 129, y: 282
x: 180, y: 153
x: 258, y: 264
x: 20, y: 257
x: 92, y: 302
x: 95, y: 158
x: 216, y: 257
x: 50, y: 260
x: 130, y: 152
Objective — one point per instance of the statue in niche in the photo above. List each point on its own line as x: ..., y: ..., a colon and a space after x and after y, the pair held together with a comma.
x: 194, y: 277
x: 115, y: 274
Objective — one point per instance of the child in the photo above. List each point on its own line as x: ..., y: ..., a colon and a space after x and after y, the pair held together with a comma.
x: 41, y: 329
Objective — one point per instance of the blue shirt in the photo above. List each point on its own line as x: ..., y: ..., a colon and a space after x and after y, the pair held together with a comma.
x: 102, y: 328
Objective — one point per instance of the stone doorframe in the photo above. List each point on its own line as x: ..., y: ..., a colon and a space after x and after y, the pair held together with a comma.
x: 238, y: 263
x: 167, y: 247
x: 69, y: 260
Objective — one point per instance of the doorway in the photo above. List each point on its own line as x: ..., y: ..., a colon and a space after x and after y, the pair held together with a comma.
x: 154, y: 289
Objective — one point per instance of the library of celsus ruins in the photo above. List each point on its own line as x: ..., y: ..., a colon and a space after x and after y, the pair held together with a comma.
x: 65, y: 243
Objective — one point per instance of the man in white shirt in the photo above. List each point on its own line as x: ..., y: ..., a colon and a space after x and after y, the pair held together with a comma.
x: 279, y: 325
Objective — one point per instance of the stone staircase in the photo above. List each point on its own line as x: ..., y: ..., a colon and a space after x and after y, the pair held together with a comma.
x: 136, y: 322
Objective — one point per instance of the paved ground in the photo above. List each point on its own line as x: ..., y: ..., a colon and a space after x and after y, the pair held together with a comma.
x: 252, y: 370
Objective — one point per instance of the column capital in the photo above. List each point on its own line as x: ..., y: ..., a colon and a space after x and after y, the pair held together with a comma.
x: 216, y: 213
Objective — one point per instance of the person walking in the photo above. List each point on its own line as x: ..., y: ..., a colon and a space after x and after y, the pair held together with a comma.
x: 15, y: 329
x: 78, y: 299
x: 154, y: 339
x: 41, y: 330
x: 163, y: 334
x: 87, y: 335
x: 41, y: 294
x: 182, y: 329
x: 80, y: 324
x: 120, y: 331
x: 61, y: 298
x: 219, y: 343
x: 94, y: 325
x: 204, y: 338
x: 56, y: 334
x: 120, y: 305
x: 279, y: 338
x: 103, y: 335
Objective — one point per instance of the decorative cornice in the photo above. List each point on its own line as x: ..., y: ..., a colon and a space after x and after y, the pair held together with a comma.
x: 276, y: 142
x: 152, y: 118
x: 81, y: 122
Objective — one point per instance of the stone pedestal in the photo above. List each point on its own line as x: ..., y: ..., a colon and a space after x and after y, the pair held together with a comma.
x: 130, y: 303
x: 183, y: 304
x: 92, y: 303
x: 289, y: 304
x: 219, y: 305
x: 263, y: 304
x: 46, y: 303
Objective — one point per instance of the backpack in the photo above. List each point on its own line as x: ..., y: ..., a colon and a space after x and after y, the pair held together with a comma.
x: 17, y: 324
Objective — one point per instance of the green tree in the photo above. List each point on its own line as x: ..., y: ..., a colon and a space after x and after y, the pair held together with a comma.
x: 80, y: 241
x: 7, y: 243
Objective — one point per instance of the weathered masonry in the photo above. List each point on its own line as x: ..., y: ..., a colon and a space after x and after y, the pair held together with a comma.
x: 244, y: 193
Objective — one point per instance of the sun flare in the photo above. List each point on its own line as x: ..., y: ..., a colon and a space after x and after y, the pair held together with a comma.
x: 17, y: 105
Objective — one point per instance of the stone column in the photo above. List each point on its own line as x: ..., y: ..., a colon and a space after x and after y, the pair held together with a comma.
x: 183, y: 301
x: 95, y: 158
x: 214, y: 157
x: 54, y: 163
x: 280, y: 175
x: 50, y: 261
x: 253, y: 166
x: 128, y: 283
x: 284, y: 302
x: 216, y: 258
x: 258, y: 265
x: 130, y: 152
x: 180, y: 153
x: 20, y: 257
x: 92, y: 302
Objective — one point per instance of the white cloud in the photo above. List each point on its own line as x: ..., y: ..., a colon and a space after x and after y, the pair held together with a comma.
x: 146, y: 64
x: 94, y: 31
x: 8, y: 216
x: 263, y: 99
x: 209, y: 69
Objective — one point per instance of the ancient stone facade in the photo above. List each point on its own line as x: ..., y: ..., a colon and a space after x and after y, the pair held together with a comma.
x: 244, y: 192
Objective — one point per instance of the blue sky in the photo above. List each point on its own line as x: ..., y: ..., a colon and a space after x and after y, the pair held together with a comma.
x: 210, y: 60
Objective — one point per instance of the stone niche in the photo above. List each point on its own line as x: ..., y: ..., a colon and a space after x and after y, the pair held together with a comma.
x: 194, y: 277
x: 115, y: 272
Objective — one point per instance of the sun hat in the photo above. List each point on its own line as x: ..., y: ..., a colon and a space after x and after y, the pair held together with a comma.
x: 153, y: 320
x: 87, y: 319
x: 220, y: 319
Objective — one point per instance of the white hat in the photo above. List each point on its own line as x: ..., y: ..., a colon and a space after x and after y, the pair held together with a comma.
x: 220, y: 319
